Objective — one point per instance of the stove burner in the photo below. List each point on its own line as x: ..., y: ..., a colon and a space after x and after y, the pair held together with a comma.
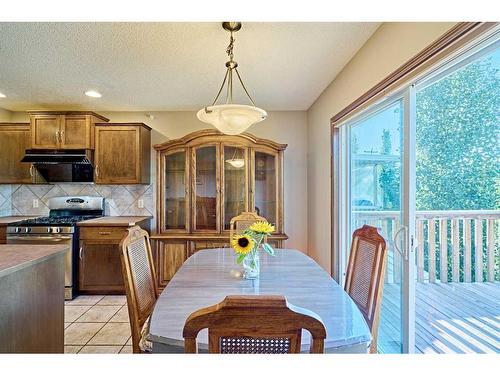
x: 53, y: 221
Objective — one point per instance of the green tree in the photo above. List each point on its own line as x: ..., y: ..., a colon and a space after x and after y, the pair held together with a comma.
x: 458, y: 149
x: 458, y: 152
x: 389, y: 176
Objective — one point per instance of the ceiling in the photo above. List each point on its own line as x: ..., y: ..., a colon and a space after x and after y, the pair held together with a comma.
x: 169, y: 66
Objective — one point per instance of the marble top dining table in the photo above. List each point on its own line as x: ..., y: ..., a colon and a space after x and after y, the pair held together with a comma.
x: 208, y: 276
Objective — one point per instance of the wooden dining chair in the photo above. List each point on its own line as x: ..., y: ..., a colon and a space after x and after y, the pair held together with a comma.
x: 254, y: 325
x: 140, y: 286
x: 365, y: 276
x: 239, y: 223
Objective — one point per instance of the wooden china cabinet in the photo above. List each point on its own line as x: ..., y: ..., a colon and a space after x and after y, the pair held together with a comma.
x: 203, y: 180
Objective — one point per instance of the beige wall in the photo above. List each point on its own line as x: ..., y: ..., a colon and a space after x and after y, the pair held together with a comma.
x: 389, y: 47
x: 288, y: 127
x: 5, y: 116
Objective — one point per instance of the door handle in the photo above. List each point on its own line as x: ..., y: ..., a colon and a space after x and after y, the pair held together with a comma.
x: 96, y: 170
x: 61, y: 135
x: 80, y: 254
x: 31, y: 170
x: 403, y: 253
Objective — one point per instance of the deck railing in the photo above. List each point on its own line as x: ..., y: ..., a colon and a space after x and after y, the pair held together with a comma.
x: 453, y: 246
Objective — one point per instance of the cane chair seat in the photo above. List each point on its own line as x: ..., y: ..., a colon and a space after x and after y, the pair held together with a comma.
x: 140, y: 286
x: 365, y: 276
x: 254, y: 325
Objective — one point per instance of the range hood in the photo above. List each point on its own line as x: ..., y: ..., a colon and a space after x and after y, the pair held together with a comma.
x: 54, y: 166
x: 57, y: 157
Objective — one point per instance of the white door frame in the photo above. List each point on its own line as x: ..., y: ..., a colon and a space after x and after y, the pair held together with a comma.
x: 342, y: 210
x: 408, y: 215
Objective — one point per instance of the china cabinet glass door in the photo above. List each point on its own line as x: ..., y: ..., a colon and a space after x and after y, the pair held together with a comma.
x: 206, y: 188
x: 265, y: 191
x: 235, y: 189
x: 175, y: 191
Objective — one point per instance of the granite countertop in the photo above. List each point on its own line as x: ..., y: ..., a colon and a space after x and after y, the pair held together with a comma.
x: 16, y: 257
x: 11, y: 219
x: 115, y: 221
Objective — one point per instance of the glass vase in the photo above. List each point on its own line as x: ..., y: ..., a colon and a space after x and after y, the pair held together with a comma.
x: 251, y: 265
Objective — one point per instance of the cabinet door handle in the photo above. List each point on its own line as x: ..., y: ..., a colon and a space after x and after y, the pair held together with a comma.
x: 57, y: 136
x: 96, y: 169
x: 104, y: 233
x: 61, y: 134
x: 81, y: 253
x: 31, y: 170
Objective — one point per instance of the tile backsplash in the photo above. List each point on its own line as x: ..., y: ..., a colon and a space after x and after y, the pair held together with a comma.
x: 121, y: 200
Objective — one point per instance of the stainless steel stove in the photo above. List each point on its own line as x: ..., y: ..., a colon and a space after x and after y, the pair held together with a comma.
x: 59, y: 227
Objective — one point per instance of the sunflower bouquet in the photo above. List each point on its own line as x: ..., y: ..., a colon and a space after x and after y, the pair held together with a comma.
x: 247, y: 246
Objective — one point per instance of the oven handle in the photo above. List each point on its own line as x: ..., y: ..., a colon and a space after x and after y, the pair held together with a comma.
x: 38, y: 238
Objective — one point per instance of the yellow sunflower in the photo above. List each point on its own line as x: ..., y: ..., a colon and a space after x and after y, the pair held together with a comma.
x: 242, y: 244
x: 262, y: 227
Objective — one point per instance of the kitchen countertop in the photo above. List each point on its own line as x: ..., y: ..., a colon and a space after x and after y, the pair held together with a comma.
x: 17, y: 257
x: 115, y: 221
x: 11, y: 219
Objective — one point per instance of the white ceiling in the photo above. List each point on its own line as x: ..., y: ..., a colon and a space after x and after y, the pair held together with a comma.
x: 169, y: 66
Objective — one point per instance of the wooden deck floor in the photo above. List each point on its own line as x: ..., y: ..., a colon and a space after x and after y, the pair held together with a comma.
x: 450, y: 318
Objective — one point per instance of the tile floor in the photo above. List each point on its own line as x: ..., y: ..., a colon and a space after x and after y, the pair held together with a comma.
x: 97, y: 324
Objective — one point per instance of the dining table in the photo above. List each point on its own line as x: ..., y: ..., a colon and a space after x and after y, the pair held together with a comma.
x: 208, y: 276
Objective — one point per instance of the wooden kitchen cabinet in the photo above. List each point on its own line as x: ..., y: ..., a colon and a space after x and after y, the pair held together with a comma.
x: 99, y: 266
x: 122, y: 153
x: 205, y: 179
x: 63, y: 130
x: 14, y: 140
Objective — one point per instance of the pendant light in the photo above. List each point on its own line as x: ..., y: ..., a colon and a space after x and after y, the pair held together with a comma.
x: 231, y: 118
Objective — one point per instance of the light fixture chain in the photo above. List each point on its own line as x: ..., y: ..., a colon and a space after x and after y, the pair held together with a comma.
x: 229, y: 49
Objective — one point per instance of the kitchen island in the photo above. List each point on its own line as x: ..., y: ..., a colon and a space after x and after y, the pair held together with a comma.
x: 32, y: 298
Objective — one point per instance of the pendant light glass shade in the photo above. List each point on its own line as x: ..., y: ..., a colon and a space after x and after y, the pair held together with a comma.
x: 231, y: 119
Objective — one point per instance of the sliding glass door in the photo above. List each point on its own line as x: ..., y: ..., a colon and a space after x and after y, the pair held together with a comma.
x: 375, y: 156
x: 376, y: 185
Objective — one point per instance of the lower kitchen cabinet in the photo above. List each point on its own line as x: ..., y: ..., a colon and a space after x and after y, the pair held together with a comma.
x: 100, y: 268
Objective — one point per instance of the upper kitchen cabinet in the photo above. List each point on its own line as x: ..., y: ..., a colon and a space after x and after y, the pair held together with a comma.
x: 14, y: 140
x: 63, y: 130
x: 122, y: 153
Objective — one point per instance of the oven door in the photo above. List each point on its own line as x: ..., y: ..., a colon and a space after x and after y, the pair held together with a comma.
x: 52, y: 239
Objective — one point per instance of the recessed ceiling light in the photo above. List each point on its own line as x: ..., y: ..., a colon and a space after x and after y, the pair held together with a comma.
x: 93, y: 94
x: 2, y: 95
